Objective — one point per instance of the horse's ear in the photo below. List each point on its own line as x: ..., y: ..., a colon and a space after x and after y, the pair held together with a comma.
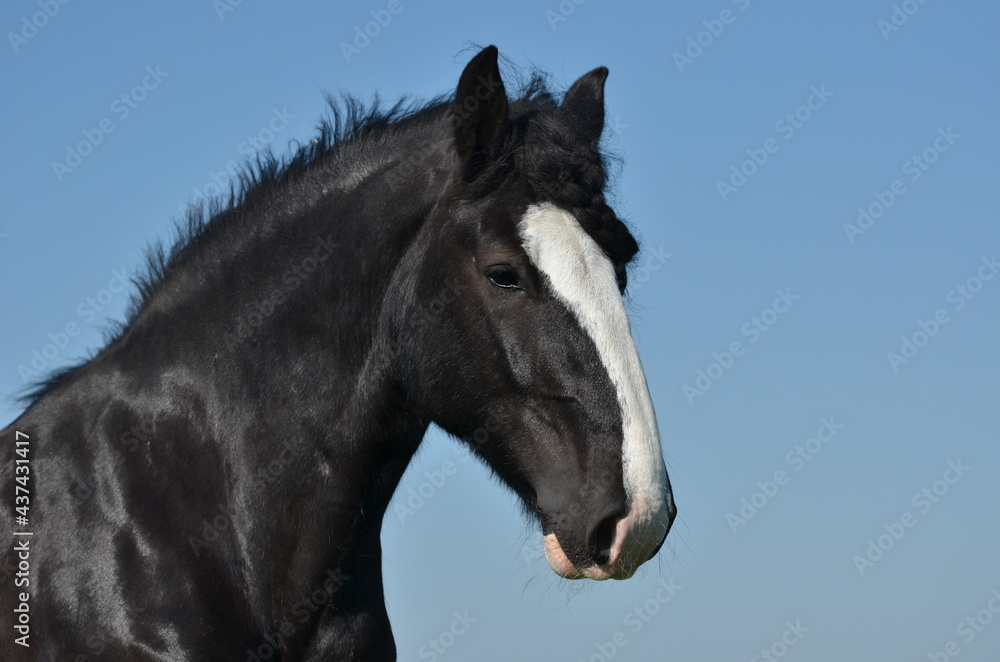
x: 584, y: 103
x: 480, y: 112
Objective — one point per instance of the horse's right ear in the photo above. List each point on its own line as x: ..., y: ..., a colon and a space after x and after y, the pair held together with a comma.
x: 479, y: 112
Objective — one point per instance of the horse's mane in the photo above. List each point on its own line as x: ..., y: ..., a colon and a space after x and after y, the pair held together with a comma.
x: 345, y: 133
x: 538, y: 145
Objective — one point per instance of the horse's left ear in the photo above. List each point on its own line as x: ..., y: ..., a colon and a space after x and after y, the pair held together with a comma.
x: 584, y: 103
x: 480, y: 112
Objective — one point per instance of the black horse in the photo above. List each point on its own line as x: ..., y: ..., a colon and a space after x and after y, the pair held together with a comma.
x: 211, y: 484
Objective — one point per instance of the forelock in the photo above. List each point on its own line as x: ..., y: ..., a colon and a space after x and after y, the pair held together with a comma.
x: 549, y: 156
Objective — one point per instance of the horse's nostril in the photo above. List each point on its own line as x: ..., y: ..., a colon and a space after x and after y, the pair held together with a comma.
x: 601, y: 538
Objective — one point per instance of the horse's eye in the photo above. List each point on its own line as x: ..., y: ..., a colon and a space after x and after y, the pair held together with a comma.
x: 504, y: 277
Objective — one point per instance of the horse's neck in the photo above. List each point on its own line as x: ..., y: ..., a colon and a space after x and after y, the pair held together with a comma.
x: 288, y: 347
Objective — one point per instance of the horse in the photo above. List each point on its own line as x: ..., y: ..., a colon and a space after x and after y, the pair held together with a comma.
x: 211, y: 484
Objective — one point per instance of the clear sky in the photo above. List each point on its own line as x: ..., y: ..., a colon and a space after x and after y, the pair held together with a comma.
x: 771, y: 316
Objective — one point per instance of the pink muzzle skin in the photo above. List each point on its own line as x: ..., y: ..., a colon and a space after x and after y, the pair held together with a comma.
x: 637, y: 536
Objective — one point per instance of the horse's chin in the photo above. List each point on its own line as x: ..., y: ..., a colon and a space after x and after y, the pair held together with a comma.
x: 565, y: 568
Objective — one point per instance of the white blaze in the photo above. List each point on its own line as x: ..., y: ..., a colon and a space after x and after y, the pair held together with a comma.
x: 583, y: 278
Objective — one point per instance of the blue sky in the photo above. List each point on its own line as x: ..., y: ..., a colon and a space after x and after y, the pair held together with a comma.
x: 752, y: 133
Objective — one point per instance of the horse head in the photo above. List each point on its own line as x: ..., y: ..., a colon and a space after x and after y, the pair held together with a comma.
x: 517, y: 339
